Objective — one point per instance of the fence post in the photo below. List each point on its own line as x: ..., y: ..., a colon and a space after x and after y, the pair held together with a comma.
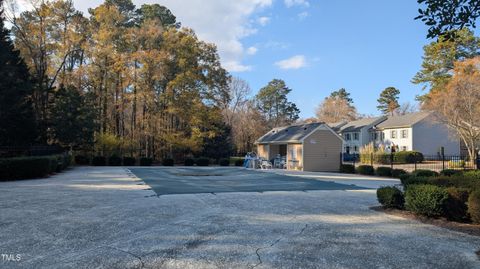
x: 371, y: 158
x: 478, y: 161
x: 391, y: 160
x: 415, y: 160
x: 443, y: 158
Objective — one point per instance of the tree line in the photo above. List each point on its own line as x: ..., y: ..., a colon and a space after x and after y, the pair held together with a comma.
x: 126, y: 80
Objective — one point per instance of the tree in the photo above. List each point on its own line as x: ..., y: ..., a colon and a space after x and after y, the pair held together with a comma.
x: 342, y: 94
x: 73, y: 118
x: 388, y: 101
x: 444, y: 17
x: 458, y: 106
x: 407, y: 108
x: 440, y: 56
x: 273, y: 103
x: 335, y: 109
x: 17, y: 121
x: 156, y: 11
x: 239, y: 90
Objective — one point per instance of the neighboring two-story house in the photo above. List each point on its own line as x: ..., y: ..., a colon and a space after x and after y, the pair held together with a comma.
x: 415, y: 131
x: 356, y: 134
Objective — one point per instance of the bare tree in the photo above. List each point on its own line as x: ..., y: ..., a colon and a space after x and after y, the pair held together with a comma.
x: 335, y: 109
x: 407, y: 108
x: 458, y: 105
x: 239, y: 90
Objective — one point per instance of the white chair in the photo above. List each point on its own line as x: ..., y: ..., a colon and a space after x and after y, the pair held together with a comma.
x: 266, y: 164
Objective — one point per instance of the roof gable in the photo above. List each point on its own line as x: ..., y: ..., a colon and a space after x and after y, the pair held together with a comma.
x: 293, y: 133
x: 357, y: 125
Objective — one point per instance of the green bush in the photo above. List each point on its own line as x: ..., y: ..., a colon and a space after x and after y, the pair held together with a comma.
x: 450, y: 172
x: 203, y: 161
x: 114, y: 161
x: 189, y: 162
x: 408, y: 157
x: 424, y: 173
x: 455, y: 207
x: 396, y: 173
x: 145, y: 161
x: 168, y: 162
x: 25, y: 167
x: 54, y: 164
x: 365, y: 170
x: 427, y: 200
x: 239, y: 162
x: 474, y: 206
x: 459, y: 181
x: 390, y: 197
x: 99, y: 161
x: 472, y: 174
x: 67, y: 160
x: 224, y: 162
x: 347, y: 168
x: 82, y: 160
x: 408, y: 180
x: 384, y: 171
x: 129, y: 161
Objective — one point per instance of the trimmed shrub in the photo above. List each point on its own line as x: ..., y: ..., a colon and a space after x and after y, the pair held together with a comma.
x: 145, y: 161
x: 459, y: 181
x: 427, y: 200
x: 472, y: 174
x: 450, y: 172
x: 408, y: 180
x: 82, y: 160
x: 99, y: 161
x: 168, y: 162
x: 114, y: 161
x: 424, y: 173
x: 390, y: 197
x: 384, y: 171
x: 189, y: 162
x: 365, y: 170
x: 396, y: 173
x: 455, y: 207
x: 224, y: 162
x: 54, y: 164
x: 24, y: 167
x: 474, y: 206
x: 456, y: 164
x: 203, y: 161
x: 67, y: 160
x: 239, y: 162
x: 347, y: 168
x: 129, y: 161
x: 408, y: 157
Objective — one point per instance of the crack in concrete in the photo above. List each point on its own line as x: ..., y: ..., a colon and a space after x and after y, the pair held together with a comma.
x: 142, y: 264
x: 273, y: 244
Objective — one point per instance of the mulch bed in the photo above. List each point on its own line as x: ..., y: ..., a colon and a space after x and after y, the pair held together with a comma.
x: 471, y: 229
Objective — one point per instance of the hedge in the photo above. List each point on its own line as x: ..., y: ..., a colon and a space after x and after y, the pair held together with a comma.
x: 114, y: 161
x: 450, y: 172
x: 189, y: 162
x: 168, y: 162
x: 99, y: 161
x: 224, y: 162
x: 129, y: 161
x: 203, y: 161
x: 384, y: 171
x: 474, y: 206
x: 396, y: 173
x: 82, y: 160
x: 390, y: 197
x: 398, y: 157
x: 144, y: 161
x: 365, y: 170
x: 427, y: 200
x: 472, y: 174
x: 347, y: 168
x: 424, y: 173
x: 32, y: 167
x: 239, y: 162
x: 455, y: 207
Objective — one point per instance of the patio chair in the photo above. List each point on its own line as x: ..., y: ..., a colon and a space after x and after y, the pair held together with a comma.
x: 266, y: 165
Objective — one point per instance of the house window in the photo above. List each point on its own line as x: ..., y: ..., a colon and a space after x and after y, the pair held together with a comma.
x: 347, y: 137
x: 355, y: 148
x: 404, y: 134
x: 404, y: 148
x: 393, y: 134
x: 347, y: 149
x: 355, y: 136
x: 375, y: 136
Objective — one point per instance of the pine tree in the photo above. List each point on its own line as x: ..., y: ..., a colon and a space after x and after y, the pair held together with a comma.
x: 17, y: 123
x: 388, y: 101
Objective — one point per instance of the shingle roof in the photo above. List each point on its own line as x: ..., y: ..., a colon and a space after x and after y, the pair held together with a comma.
x: 403, y: 121
x: 293, y: 133
x: 337, y: 125
x: 357, y: 125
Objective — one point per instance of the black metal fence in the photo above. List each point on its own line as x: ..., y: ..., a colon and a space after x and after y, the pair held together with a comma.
x: 429, y: 162
x: 8, y: 152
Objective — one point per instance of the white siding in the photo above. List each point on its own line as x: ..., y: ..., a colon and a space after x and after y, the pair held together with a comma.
x: 398, y: 141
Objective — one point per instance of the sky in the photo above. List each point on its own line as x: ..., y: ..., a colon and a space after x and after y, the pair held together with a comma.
x: 316, y: 46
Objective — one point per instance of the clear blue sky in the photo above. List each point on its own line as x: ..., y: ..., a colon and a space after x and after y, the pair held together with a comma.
x: 363, y: 46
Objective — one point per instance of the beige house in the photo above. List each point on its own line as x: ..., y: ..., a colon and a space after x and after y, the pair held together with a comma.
x: 307, y: 147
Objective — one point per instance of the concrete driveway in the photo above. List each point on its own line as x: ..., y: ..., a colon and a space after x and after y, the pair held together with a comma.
x: 108, y: 218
